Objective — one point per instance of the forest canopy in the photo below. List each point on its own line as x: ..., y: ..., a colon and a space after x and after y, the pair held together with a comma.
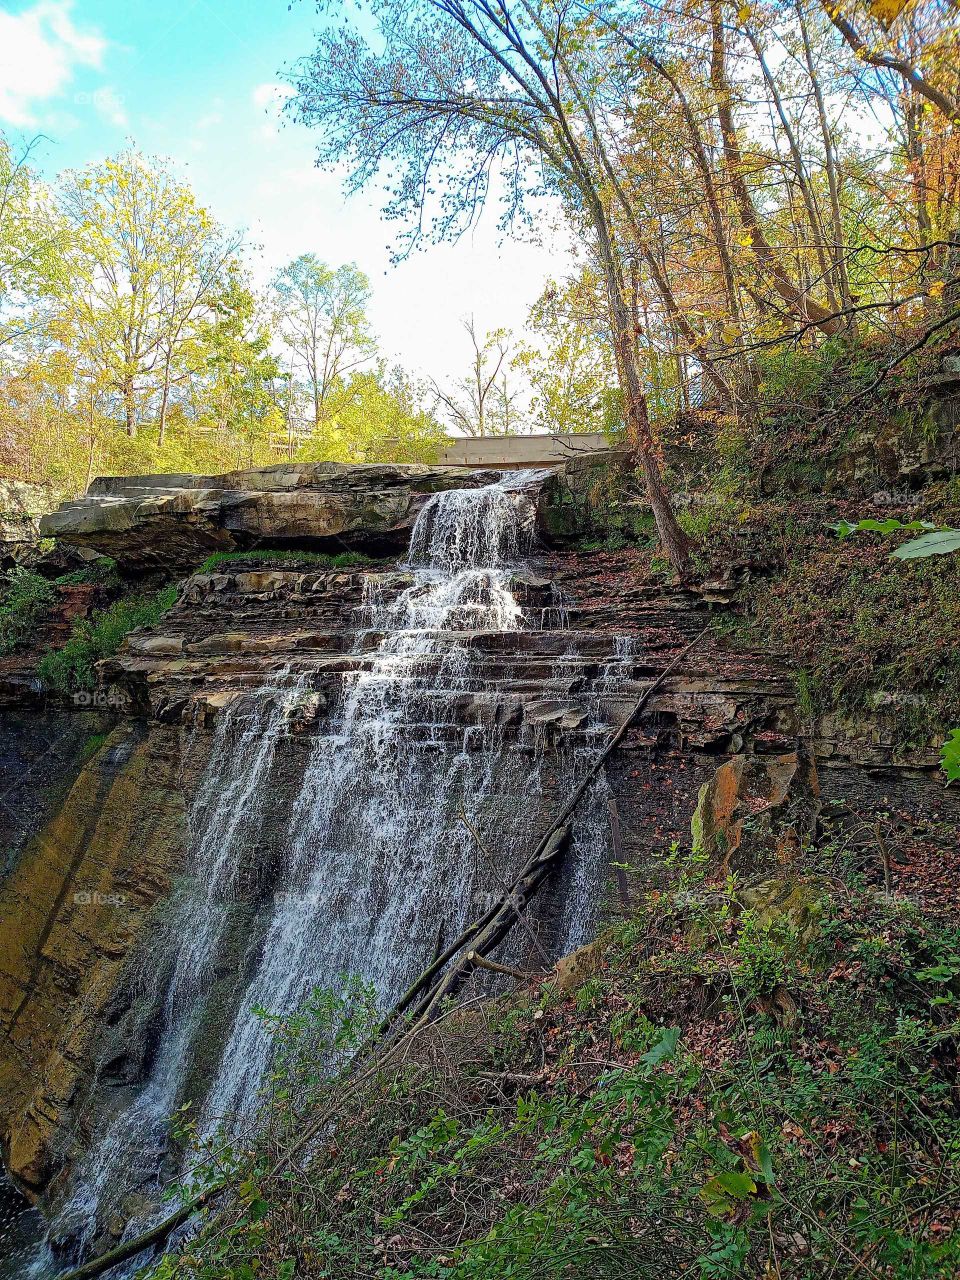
x: 740, y: 185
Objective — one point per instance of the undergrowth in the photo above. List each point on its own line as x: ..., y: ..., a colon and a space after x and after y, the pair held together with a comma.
x: 742, y: 1089
x: 870, y: 633
x: 26, y: 597
x: 71, y: 668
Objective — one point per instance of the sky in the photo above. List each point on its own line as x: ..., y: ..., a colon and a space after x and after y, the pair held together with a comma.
x: 201, y: 82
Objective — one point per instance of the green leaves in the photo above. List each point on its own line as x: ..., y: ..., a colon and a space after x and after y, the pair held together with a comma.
x: 724, y: 1193
x: 665, y: 1047
x: 930, y: 544
x: 950, y: 757
x: 935, y: 541
x: 844, y: 529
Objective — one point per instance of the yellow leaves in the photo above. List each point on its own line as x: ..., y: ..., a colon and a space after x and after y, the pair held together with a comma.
x: 743, y: 13
x: 936, y: 289
x: 886, y: 12
x: 746, y: 239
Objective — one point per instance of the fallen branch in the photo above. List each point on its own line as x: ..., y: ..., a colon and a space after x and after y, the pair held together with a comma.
x: 491, y: 965
x: 521, y: 919
x: 156, y: 1234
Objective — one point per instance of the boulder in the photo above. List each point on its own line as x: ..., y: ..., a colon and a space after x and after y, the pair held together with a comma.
x: 746, y: 792
x: 573, y: 970
x: 173, y: 522
x: 21, y: 505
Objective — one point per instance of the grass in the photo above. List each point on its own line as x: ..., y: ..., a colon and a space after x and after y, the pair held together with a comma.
x: 284, y: 558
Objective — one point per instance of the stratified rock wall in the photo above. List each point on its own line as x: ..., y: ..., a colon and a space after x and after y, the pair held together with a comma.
x: 72, y: 909
x: 80, y: 912
x: 176, y: 521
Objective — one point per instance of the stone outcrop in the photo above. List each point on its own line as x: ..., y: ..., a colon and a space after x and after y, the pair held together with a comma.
x: 175, y: 521
x: 83, y: 899
x: 21, y: 506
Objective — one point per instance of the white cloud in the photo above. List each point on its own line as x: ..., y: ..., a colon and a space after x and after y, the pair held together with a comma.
x: 109, y: 104
x: 269, y: 98
x: 272, y: 93
x: 40, y: 50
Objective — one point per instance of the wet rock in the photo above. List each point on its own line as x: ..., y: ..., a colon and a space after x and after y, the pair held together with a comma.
x: 70, y: 912
x: 559, y: 715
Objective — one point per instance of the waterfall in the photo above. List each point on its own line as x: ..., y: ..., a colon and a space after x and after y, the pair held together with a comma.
x: 226, y: 813
x: 376, y: 865
x: 380, y: 863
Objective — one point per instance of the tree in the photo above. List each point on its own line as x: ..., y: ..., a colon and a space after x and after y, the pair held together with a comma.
x: 32, y: 236
x: 321, y: 315
x: 928, y: 64
x: 477, y: 404
x: 380, y: 417
x: 571, y: 370
x: 459, y: 90
x: 142, y: 263
x: 242, y: 372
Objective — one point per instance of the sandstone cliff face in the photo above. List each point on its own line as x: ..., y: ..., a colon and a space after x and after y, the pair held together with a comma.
x: 82, y: 944
x: 73, y: 908
x: 21, y: 506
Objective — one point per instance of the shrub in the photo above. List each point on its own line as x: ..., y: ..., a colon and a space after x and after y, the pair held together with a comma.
x: 70, y: 669
x: 24, y: 599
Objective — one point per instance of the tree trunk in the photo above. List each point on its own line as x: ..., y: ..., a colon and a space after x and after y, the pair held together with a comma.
x: 164, y: 399
x: 799, y: 165
x: 842, y: 279
x: 130, y: 410
x: 675, y: 542
x: 710, y: 190
x: 92, y: 452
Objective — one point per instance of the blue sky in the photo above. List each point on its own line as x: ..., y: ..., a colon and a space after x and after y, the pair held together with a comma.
x: 200, y: 81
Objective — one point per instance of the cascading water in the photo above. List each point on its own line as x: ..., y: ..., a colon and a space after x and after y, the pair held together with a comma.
x: 377, y: 864
x: 226, y: 813
x: 380, y: 863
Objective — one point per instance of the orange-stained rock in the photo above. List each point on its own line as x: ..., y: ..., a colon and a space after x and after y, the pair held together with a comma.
x: 69, y: 914
x: 744, y: 788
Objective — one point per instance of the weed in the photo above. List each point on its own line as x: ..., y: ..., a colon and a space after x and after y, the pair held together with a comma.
x: 25, y: 597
